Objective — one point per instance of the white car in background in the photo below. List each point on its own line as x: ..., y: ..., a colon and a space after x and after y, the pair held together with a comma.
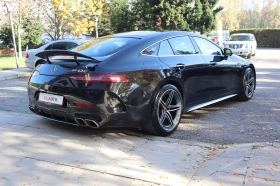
x: 31, y: 61
x: 244, y: 44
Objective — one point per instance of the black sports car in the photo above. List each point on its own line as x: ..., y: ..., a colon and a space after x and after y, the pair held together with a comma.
x: 138, y: 79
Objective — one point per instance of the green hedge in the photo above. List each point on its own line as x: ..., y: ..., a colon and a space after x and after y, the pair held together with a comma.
x: 265, y: 37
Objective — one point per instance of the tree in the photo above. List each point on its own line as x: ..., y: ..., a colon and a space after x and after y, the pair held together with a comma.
x: 21, y: 12
x: 230, y: 14
x: 33, y: 30
x: 161, y: 14
x: 195, y: 15
x: 75, y: 16
x: 6, y: 37
x: 120, y: 14
x: 84, y: 21
x: 105, y: 26
x: 208, y: 20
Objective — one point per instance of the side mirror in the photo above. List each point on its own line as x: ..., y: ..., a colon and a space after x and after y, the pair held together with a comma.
x: 227, y: 52
x: 218, y: 58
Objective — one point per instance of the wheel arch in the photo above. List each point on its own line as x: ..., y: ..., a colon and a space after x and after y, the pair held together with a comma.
x: 169, y: 80
x: 254, y: 70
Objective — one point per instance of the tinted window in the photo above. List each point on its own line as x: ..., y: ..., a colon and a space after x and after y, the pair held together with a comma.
x: 165, y: 49
x: 239, y: 38
x: 207, y: 47
x: 182, y: 45
x: 59, y: 46
x: 104, y: 46
x: 71, y: 45
x: 152, y: 50
x: 49, y: 47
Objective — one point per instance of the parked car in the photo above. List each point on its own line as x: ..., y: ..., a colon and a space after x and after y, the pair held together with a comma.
x: 244, y: 45
x: 145, y: 80
x: 31, y: 60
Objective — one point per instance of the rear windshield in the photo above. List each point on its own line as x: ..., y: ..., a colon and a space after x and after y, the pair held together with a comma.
x: 240, y: 38
x: 104, y: 46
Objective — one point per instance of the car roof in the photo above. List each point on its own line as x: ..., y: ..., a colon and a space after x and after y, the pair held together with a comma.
x: 143, y: 34
x: 68, y: 40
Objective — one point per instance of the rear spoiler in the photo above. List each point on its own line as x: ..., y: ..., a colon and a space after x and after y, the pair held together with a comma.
x: 49, y: 53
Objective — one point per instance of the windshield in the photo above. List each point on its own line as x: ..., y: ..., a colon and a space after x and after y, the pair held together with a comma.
x: 239, y: 38
x: 104, y: 46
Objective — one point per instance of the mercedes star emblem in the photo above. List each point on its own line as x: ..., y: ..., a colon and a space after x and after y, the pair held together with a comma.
x: 54, y: 69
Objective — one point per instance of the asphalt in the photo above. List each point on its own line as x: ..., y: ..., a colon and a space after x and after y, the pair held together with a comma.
x: 37, y: 151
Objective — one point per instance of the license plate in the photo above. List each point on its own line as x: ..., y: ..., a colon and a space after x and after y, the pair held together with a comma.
x: 49, y: 98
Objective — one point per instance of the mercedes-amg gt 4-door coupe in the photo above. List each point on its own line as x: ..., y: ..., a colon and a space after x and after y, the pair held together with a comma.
x: 141, y: 79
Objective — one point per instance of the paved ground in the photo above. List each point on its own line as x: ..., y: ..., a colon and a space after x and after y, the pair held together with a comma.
x: 227, y: 122
x: 35, y: 151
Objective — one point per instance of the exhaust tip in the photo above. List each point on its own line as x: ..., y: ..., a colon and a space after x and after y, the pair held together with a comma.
x: 80, y: 122
x: 92, y: 123
x: 32, y: 109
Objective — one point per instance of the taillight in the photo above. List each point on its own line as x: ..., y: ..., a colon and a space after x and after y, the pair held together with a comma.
x: 26, y: 55
x: 82, y: 105
x: 105, y: 78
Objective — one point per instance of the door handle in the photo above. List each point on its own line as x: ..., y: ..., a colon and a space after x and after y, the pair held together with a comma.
x: 180, y: 66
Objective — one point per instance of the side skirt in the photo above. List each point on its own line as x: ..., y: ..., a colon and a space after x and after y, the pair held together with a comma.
x: 209, y: 103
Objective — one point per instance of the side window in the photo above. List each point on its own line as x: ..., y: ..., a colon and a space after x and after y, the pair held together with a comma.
x: 71, y: 45
x: 165, y: 49
x: 182, y: 45
x: 206, y: 47
x: 49, y: 47
x: 152, y: 50
x: 59, y: 46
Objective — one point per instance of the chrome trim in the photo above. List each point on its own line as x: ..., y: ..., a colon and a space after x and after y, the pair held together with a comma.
x: 164, y: 40
x: 88, y: 121
x: 81, y: 122
x: 32, y: 109
x: 209, y: 103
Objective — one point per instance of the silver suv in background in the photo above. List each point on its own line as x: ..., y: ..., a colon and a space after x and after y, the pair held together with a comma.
x: 244, y: 44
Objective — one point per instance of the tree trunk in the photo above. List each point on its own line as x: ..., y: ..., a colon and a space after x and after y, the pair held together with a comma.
x: 19, y: 43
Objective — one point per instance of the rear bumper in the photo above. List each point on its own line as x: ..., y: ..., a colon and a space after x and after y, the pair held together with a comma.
x: 29, y: 64
x: 111, y: 107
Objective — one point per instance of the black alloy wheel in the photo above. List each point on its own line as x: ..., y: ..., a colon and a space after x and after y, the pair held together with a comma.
x: 167, y: 111
x: 248, y: 85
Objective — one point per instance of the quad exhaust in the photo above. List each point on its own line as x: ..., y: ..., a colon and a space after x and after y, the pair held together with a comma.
x: 32, y: 109
x: 87, y: 122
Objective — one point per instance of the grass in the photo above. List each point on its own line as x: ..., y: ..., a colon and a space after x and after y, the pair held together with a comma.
x: 10, y: 62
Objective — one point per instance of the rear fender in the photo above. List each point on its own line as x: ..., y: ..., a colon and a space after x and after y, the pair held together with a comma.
x: 169, y: 80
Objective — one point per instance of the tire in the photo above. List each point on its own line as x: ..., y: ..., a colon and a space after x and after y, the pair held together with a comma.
x: 247, y: 86
x: 254, y: 53
x: 166, y: 112
x: 250, y: 55
x: 40, y: 62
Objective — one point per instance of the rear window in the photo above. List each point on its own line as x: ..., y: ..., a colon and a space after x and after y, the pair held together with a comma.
x: 104, y: 46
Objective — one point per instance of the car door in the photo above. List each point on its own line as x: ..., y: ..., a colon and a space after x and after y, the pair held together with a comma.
x: 222, y: 74
x: 181, y: 56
